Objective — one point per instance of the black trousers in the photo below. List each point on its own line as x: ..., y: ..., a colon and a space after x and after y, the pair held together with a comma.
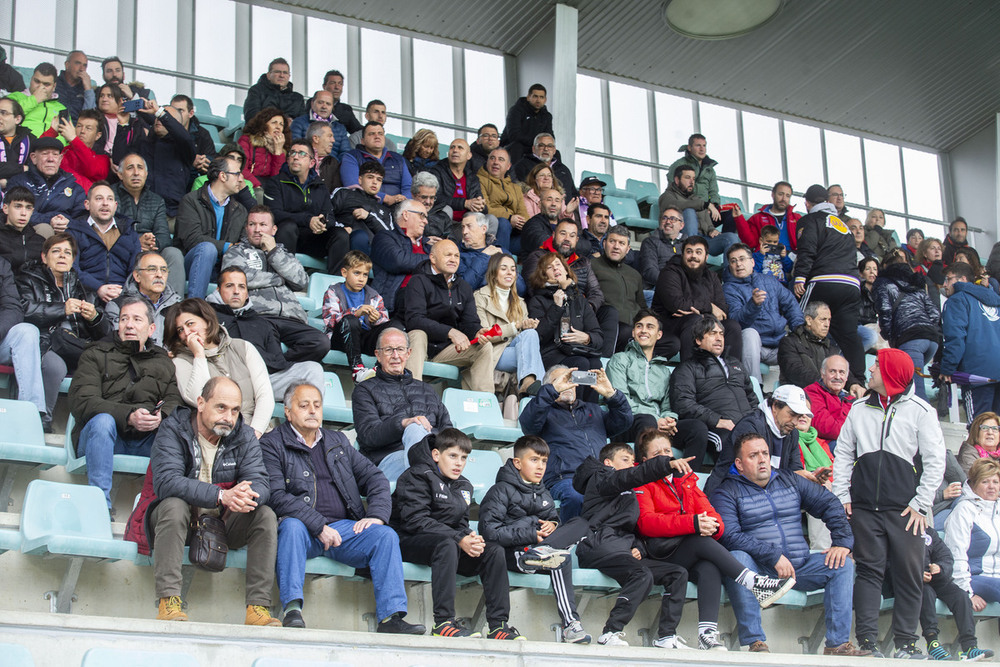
x: 354, y: 340
x: 446, y: 559
x: 305, y: 343
x: 678, y: 335
x: 691, y: 437
x: 636, y: 578
x: 706, y: 562
x: 331, y: 245
x: 607, y: 317
x: 845, y: 307
x: 563, y: 537
x: 881, y: 542
x: 954, y: 598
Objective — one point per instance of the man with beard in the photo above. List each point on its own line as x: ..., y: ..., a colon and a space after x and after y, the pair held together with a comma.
x: 487, y: 141
x: 210, y: 461
x: 540, y: 227
x: 685, y: 291
x: 698, y: 218
x: 564, y: 240
x: 148, y: 281
x: 121, y: 391
x: 778, y: 213
x: 114, y: 73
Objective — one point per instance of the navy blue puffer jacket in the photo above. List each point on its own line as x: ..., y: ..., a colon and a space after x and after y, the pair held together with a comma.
x: 905, y: 311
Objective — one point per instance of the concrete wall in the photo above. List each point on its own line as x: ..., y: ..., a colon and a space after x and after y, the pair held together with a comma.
x: 974, y: 189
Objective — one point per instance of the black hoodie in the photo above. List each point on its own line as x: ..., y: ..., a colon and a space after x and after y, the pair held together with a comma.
x: 523, y: 124
x: 426, y: 502
x: 512, y: 510
x: 610, y: 505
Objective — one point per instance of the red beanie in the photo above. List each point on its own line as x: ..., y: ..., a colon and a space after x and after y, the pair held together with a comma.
x: 897, y: 370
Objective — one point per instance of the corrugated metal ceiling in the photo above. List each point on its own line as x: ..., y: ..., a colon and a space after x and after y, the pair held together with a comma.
x: 919, y: 71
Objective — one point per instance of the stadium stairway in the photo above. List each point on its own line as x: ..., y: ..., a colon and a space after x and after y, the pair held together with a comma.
x: 64, y: 641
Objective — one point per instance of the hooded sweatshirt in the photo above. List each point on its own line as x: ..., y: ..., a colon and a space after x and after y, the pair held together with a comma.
x: 971, y: 326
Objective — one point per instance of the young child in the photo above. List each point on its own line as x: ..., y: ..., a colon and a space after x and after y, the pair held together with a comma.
x: 354, y: 313
x: 430, y: 511
x: 772, y: 257
x: 518, y: 514
x: 359, y: 209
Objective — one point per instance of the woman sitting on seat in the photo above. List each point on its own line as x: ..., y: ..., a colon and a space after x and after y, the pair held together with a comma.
x: 983, y: 441
x: 538, y: 180
x: 971, y: 533
x: 567, y: 325
x: 266, y: 138
x: 202, y: 350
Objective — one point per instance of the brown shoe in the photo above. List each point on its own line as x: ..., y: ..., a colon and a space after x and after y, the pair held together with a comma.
x: 759, y: 647
x: 847, y: 648
x: 170, y: 609
x: 259, y: 615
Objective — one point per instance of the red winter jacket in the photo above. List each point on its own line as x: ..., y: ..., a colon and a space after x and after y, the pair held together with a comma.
x: 84, y: 163
x: 829, y: 411
x: 667, y: 507
x: 261, y: 163
x: 749, y: 230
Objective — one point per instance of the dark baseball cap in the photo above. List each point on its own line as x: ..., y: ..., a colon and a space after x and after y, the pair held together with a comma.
x: 592, y: 180
x: 43, y: 143
x: 816, y: 194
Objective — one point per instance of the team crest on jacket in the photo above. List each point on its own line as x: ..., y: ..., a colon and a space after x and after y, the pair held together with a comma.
x: 467, y: 496
x: 836, y: 223
x: 990, y: 312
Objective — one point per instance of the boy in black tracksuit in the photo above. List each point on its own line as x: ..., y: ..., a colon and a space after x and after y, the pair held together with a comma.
x: 360, y: 209
x: 938, y: 584
x: 430, y: 512
x: 518, y: 513
x: 611, y: 509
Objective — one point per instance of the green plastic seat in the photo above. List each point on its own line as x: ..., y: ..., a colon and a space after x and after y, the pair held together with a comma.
x: 22, y: 439
x: 117, y: 657
x: 481, y: 469
x: 10, y: 540
x: 478, y: 414
x: 123, y: 463
x: 644, y: 191
x: 626, y: 212
x: 15, y: 655
x: 310, y: 262
x: 334, y: 406
x: 234, y: 121
x: 338, y: 358
x: 203, y: 112
x: 318, y: 284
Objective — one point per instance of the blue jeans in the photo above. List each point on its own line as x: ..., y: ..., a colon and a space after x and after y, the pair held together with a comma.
x: 361, y: 239
x: 720, y: 243
x: 376, y: 547
x: 988, y: 588
x: 99, y: 442
x: 19, y: 348
x: 690, y: 222
x: 868, y: 337
x: 503, y: 234
x: 199, y: 262
x: 570, y: 501
x: 395, y: 463
x: 522, y: 355
x: 921, y: 351
x: 810, y: 576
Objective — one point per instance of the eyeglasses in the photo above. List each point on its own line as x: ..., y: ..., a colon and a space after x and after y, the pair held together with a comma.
x: 672, y: 218
x: 545, y: 145
x: 417, y: 213
x: 152, y: 270
x: 836, y: 194
x: 233, y: 173
x: 486, y: 135
x: 592, y: 188
x: 4, y: 113
x: 995, y: 429
x: 393, y: 351
x: 298, y: 154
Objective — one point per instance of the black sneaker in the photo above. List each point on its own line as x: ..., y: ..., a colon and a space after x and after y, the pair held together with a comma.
x: 504, y: 631
x: 293, y: 619
x: 452, y: 628
x: 909, y: 652
x: 397, y: 626
x: 870, y: 645
x: 769, y: 590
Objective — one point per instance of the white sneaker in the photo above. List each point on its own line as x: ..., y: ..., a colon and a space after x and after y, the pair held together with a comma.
x: 674, y: 641
x: 612, y: 639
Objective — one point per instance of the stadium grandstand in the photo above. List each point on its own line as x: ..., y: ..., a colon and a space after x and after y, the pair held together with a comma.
x: 400, y: 228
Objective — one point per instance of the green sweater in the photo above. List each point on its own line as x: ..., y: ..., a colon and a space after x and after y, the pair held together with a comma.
x: 645, y: 383
x: 38, y: 116
x: 706, y: 185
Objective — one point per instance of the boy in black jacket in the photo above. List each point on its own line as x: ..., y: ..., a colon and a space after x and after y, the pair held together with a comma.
x: 430, y: 511
x: 359, y: 210
x: 518, y: 513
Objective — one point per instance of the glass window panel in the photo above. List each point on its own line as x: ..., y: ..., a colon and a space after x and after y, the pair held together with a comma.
x: 718, y: 124
x: 762, y: 148
x: 627, y: 170
x: 33, y: 24
x: 218, y: 97
x: 21, y: 57
x: 674, y: 124
x: 96, y: 21
x: 923, y: 183
x: 757, y: 199
x: 272, y: 38
x: 843, y: 164
x: 589, y: 163
x: 589, y: 114
x: 156, y: 25
x: 885, y: 183
x: 327, y: 49
x: 893, y: 222
x: 435, y: 102
x: 380, y: 74
x: 805, y: 159
x: 215, y: 53
x: 629, y: 131
x: 484, y: 91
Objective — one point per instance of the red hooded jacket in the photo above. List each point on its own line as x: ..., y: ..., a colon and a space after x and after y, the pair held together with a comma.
x: 667, y: 507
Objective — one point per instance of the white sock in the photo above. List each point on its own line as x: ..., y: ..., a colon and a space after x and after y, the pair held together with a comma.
x: 746, y: 578
x: 704, y: 628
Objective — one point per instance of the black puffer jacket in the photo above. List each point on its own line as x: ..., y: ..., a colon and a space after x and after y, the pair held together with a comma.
x: 610, y: 505
x: 869, y: 311
x: 380, y: 404
x: 249, y: 325
x: 45, y: 304
x: 905, y: 311
x: 785, y: 448
x: 116, y: 377
x: 293, y: 201
x: 700, y: 389
x: 654, y: 254
x: 265, y: 94
x: 446, y: 185
x: 293, y: 478
x: 581, y: 316
x: 512, y: 509
x: 20, y: 247
x: 426, y: 502
x: 169, y: 157
x: 801, y: 355
x: 436, y: 307
x: 676, y: 289
x: 523, y: 124
x: 14, y: 155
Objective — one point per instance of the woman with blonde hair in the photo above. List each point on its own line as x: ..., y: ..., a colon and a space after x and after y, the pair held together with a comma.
x: 567, y: 325
x: 972, y: 533
x: 983, y: 441
x: 421, y: 152
x: 538, y: 180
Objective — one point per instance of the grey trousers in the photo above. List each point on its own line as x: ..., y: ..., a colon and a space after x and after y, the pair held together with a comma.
x: 754, y: 353
x: 302, y: 371
x: 257, y: 530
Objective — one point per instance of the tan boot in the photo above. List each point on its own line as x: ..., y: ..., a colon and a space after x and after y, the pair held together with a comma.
x: 170, y: 609
x: 259, y: 615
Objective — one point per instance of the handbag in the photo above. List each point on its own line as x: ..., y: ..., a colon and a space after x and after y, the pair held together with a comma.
x: 68, y: 346
x: 208, y: 543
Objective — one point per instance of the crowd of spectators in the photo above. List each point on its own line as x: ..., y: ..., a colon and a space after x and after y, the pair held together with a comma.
x: 162, y: 275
